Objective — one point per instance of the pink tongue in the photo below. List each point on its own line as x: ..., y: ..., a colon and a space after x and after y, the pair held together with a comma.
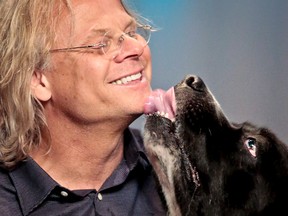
x: 162, y: 101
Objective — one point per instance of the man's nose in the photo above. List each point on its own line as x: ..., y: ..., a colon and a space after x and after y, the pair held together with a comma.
x: 130, y: 46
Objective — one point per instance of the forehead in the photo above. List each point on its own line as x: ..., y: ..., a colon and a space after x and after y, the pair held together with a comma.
x: 85, y: 16
x: 110, y: 11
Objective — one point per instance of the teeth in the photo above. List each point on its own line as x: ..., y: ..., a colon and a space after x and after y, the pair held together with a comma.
x: 163, y: 114
x: 127, y: 79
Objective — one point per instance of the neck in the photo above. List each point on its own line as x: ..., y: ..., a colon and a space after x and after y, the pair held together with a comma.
x: 81, y: 157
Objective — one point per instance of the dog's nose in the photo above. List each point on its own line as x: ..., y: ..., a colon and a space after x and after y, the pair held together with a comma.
x: 195, y: 83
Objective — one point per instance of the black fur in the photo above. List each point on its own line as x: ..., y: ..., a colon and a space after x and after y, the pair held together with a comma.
x: 202, y: 147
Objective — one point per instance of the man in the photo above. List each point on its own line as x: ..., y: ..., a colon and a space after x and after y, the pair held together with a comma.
x: 74, y: 74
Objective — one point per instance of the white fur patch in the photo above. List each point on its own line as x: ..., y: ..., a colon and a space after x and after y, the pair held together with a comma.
x: 164, y: 164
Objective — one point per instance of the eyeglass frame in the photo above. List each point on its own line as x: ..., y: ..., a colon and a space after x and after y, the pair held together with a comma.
x: 101, y: 45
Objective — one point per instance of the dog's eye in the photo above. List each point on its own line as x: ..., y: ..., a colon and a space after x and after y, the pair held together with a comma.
x: 250, y: 144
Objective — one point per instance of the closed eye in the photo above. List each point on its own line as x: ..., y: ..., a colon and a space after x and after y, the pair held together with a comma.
x: 132, y: 34
x: 250, y: 144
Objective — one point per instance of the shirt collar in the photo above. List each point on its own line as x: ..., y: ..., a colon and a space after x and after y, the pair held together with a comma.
x: 33, y: 184
x: 134, y: 160
x: 134, y: 151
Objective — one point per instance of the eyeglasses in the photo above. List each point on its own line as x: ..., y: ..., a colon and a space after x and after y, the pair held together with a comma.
x: 110, y: 45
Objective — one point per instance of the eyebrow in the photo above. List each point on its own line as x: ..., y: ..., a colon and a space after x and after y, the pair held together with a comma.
x: 95, y: 33
x: 131, y: 23
x: 100, y: 32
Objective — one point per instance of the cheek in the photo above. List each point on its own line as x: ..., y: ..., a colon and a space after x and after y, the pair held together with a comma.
x: 62, y: 87
x: 147, y: 56
x: 65, y: 78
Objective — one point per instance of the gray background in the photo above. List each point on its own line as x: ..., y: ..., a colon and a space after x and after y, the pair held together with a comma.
x: 238, y: 47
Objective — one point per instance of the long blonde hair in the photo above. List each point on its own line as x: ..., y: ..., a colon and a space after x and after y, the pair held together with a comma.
x: 26, y: 36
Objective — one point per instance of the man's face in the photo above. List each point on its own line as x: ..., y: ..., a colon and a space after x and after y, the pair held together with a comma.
x: 84, y: 83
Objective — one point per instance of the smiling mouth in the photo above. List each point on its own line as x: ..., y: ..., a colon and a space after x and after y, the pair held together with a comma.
x: 127, y: 79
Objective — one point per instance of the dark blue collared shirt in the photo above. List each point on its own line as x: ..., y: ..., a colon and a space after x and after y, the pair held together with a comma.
x: 130, y: 190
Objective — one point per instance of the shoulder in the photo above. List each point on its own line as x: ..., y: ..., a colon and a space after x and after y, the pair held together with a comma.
x: 9, y: 204
x: 4, y: 178
x: 6, y: 184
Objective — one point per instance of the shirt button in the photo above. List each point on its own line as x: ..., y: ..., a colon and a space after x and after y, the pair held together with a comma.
x: 100, y: 197
x: 64, y: 193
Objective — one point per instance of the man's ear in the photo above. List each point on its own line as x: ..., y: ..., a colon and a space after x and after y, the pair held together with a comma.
x: 40, y: 87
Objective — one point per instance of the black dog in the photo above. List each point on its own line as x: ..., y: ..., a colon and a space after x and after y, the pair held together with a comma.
x: 207, y: 165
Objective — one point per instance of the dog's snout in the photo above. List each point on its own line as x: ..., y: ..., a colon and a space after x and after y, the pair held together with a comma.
x: 195, y: 83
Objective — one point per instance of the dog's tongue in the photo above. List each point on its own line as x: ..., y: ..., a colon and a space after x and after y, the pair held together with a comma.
x: 162, y: 102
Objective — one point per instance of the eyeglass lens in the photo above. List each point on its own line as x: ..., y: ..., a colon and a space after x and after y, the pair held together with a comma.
x: 111, y: 45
